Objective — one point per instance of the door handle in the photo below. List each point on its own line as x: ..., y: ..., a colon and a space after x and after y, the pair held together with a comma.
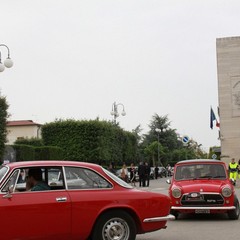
x: 61, y: 199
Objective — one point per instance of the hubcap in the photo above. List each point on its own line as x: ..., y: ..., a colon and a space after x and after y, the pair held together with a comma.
x: 116, y: 229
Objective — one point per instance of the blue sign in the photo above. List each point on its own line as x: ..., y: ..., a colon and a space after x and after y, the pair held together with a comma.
x: 214, y: 156
x: 185, y: 139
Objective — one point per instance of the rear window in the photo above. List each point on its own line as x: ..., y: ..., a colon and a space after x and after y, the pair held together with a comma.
x: 83, y: 178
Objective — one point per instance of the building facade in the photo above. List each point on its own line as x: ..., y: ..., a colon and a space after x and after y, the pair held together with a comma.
x: 22, y: 129
x: 228, y: 70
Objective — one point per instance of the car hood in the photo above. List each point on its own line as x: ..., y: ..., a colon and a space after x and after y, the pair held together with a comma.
x: 200, y: 185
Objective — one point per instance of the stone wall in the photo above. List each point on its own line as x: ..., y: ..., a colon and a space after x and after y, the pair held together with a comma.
x: 228, y: 70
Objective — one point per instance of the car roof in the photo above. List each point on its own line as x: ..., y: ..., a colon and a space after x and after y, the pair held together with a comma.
x: 200, y: 161
x: 50, y: 163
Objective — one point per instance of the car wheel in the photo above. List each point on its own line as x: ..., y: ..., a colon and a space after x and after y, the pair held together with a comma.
x: 114, y: 225
x: 175, y: 214
x: 234, y: 214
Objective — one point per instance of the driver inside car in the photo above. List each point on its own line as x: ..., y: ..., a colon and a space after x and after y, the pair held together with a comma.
x: 35, y: 181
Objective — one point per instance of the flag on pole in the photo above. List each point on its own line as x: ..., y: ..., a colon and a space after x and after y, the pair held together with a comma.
x: 213, y: 118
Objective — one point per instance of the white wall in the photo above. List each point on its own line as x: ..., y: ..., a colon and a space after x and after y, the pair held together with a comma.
x: 14, y: 132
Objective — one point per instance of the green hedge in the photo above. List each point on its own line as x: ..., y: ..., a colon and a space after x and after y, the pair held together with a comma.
x: 29, y: 153
x: 24, y: 152
x: 95, y: 141
x: 48, y: 153
x: 30, y: 141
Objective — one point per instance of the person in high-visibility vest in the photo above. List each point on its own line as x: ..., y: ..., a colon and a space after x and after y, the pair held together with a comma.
x: 233, y: 170
x: 239, y: 168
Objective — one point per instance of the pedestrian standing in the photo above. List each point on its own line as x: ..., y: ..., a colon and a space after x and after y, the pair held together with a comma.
x: 156, y: 169
x: 111, y: 169
x: 132, y: 174
x: 124, y: 173
x: 168, y: 170
x: 141, y: 174
x: 147, y: 173
x: 233, y: 170
x: 239, y: 168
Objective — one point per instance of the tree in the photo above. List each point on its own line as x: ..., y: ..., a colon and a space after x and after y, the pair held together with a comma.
x: 136, y: 132
x: 91, y: 141
x: 171, y: 147
x: 3, y: 123
x: 167, y: 139
x: 152, y: 151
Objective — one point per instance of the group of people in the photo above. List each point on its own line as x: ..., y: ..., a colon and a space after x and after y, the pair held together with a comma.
x: 133, y: 172
x: 144, y: 171
x: 234, y: 170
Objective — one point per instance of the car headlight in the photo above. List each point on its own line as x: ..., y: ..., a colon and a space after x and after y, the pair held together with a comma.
x: 227, y: 191
x: 176, y: 192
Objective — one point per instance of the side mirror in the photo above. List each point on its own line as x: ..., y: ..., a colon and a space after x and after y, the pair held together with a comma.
x: 168, y: 181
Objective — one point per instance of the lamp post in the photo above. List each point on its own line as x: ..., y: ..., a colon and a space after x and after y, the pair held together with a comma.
x: 158, y: 130
x: 8, y: 61
x: 114, y: 111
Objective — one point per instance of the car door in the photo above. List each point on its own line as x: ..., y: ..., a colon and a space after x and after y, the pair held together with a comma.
x: 89, y: 192
x: 34, y: 215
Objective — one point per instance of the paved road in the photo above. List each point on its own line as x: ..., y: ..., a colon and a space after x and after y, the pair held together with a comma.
x: 192, y: 227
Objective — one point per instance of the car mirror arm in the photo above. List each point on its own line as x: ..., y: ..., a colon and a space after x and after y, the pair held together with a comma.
x: 8, y: 194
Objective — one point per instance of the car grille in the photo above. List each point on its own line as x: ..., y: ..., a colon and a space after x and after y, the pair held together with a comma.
x: 203, y: 199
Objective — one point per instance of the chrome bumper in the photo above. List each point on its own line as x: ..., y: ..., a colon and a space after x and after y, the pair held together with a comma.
x: 159, y: 219
x: 205, y: 208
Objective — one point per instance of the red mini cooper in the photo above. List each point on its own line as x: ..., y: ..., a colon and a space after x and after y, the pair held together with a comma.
x: 202, y: 186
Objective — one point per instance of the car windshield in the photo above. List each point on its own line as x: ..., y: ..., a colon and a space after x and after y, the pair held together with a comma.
x: 197, y: 171
x: 3, y: 171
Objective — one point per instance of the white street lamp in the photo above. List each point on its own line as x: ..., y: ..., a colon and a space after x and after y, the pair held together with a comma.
x: 114, y: 111
x: 8, y: 63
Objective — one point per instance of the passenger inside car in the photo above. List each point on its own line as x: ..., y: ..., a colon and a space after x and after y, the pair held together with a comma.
x: 197, y: 173
x: 216, y: 171
x: 35, y: 181
x: 186, y: 173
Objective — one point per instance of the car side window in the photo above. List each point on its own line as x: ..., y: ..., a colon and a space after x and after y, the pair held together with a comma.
x: 55, y: 178
x: 83, y: 178
x: 11, y: 183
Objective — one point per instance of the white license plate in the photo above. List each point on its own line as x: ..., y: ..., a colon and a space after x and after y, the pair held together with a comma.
x: 202, y: 211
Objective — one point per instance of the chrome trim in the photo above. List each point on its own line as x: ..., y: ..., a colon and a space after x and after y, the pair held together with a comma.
x: 6, y: 173
x: 61, y: 199
x: 213, y: 193
x: 159, y: 219
x: 199, y: 208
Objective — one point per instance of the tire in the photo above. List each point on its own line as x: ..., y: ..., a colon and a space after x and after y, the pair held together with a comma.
x: 114, y: 225
x: 234, y: 214
x: 175, y: 214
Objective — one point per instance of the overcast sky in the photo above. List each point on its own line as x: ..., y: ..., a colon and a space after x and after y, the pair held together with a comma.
x: 75, y: 58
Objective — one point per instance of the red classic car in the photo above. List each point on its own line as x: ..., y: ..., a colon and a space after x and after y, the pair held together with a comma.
x: 202, y: 186
x: 81, y: 201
